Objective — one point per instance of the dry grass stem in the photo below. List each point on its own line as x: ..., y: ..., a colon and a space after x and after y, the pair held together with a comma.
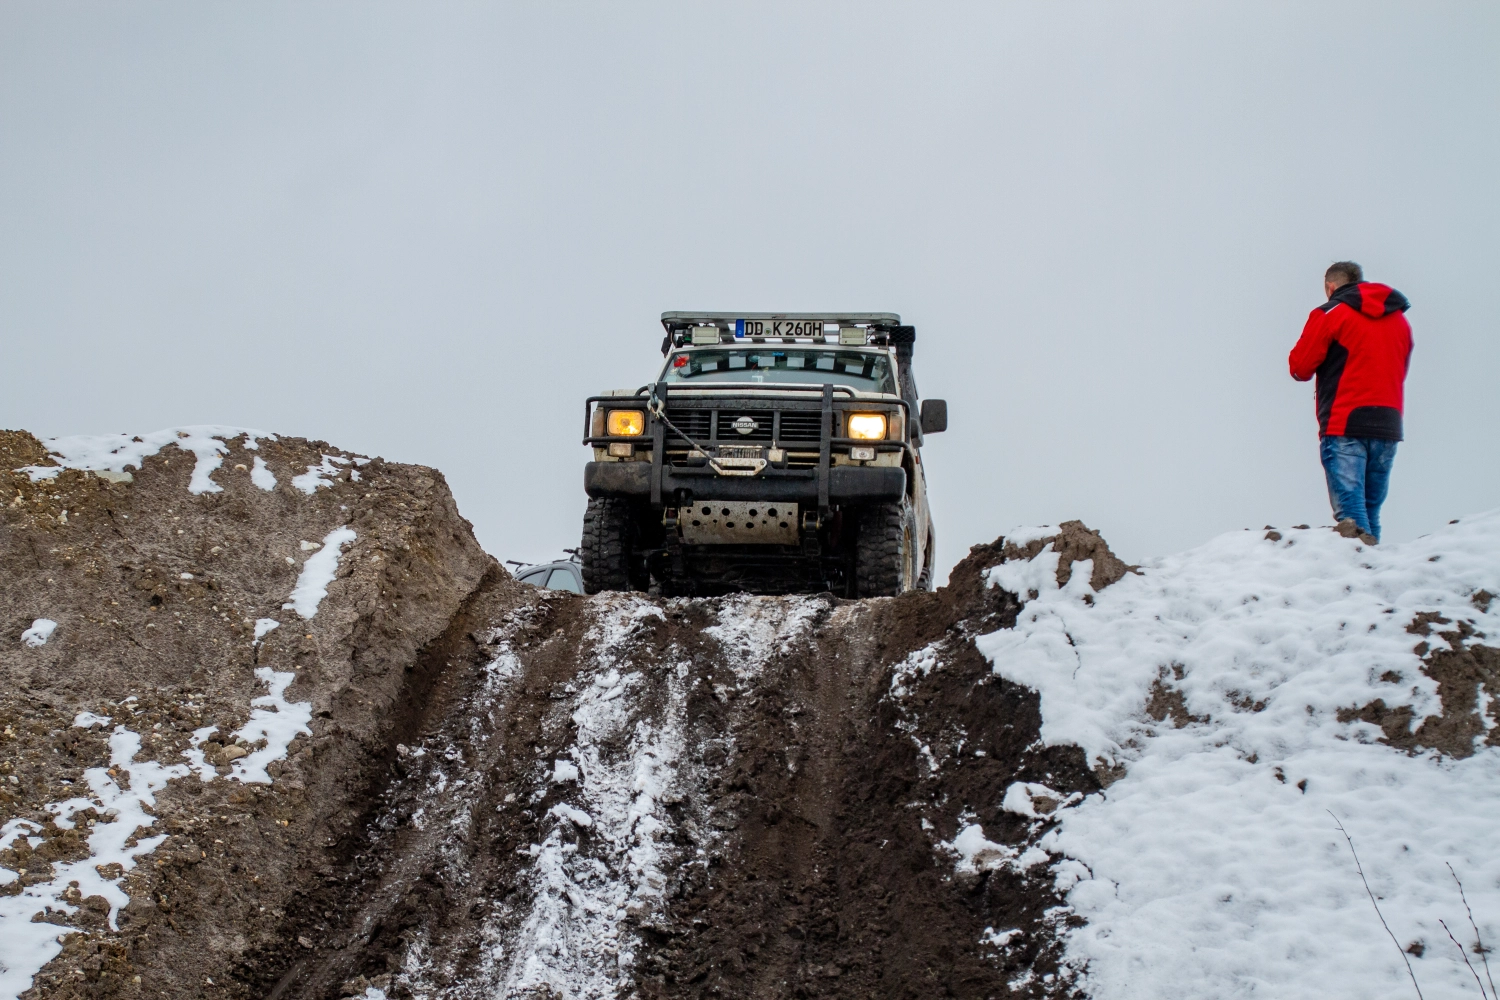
x: 1484, y: 953
x: 1463, y: 955
x: 1360, y: 868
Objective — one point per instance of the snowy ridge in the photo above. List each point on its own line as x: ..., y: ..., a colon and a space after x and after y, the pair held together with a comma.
x: 116, y: 453
x: 1213, y: 866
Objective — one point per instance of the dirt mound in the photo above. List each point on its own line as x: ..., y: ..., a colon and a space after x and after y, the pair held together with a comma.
x: 1074, y: 542
x: 155, y: 593
x: 500, y: 791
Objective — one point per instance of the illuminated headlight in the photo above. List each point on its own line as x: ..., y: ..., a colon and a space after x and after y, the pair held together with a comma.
x: 867, y: 426
x: 628, y: 423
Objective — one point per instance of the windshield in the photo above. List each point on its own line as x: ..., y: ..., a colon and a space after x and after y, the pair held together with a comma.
x: 859, y: 370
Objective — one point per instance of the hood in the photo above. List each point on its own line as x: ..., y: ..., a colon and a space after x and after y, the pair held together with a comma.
x: 1374, y: 300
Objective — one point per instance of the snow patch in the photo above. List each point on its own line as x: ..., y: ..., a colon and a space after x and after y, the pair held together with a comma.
x: 261, y: 474
x: 564, y: 770
x: 202, y: 768
x: 751, y: 629
x: 577, y: 817
x: 975, y: 853
x: 1034, y: 800
x: 263, y: 627
x: 919, y: 663
x: 41, y: 630
x: 123, y: 796
x: 1212, y: 867
x: 1025, y: 534
x: 318, y: 572
x: 114, y: 453
x: 318, y: 476
x: 999, y: 939
x: 274, y: 720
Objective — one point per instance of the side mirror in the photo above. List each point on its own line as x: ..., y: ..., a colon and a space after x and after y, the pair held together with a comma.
x: 934, y: 415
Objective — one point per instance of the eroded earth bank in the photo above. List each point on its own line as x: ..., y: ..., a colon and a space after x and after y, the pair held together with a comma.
x: 428, y: 780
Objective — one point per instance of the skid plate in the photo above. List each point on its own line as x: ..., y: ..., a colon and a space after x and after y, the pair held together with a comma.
x: 734, y: 522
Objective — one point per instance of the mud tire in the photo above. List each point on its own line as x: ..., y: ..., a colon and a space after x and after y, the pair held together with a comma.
x: 607, y: 549
x: 885, y: 557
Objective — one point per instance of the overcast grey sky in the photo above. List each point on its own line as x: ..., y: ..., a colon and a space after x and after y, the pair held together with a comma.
x: 428, y: 231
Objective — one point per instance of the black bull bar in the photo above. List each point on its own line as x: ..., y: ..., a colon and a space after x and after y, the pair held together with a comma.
x: 824, y: 485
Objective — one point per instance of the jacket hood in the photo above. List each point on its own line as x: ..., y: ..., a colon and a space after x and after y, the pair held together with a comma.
x: 1372, y: 299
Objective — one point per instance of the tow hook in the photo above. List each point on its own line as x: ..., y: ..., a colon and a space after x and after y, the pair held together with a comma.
x: 811, y: 522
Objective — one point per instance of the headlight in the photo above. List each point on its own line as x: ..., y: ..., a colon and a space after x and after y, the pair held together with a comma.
x: 867, y: 426
x: 626, y: 423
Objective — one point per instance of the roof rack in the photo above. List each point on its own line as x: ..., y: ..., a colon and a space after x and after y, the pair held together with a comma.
x: 673, y: 320
x: 759, y: 328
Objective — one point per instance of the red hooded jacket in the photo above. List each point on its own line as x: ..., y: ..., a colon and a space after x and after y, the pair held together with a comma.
x: 1358, y: 343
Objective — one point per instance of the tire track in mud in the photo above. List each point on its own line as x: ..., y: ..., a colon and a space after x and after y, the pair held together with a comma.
x: 622, y: 796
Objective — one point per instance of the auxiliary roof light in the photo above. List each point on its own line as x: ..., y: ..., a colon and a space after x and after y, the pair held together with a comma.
x: 705, y: 335
x: 852, y: 336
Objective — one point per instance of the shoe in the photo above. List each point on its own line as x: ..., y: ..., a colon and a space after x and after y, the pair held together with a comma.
x: 1368, y: 538
x: 1347, y: 528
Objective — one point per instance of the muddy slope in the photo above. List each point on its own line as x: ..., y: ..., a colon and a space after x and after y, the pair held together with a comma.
x: 501, y: 792
x: 730, y: 797
x: 155, y: 592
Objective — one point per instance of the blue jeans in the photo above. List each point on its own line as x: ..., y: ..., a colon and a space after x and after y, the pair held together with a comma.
x: 1359, y: 474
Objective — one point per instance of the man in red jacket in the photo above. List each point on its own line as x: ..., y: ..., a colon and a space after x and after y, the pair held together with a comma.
x: 1358, y: 344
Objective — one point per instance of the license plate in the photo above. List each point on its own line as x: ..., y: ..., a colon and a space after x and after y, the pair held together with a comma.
x: 778, y: 328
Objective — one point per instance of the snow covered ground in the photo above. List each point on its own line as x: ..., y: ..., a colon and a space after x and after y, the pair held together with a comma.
x: 1214, y: 867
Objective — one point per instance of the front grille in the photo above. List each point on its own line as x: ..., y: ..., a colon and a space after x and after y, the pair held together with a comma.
x: 694, y: 423
x: 799, y: 428
x: 762, y: 431
x: 801, y: 425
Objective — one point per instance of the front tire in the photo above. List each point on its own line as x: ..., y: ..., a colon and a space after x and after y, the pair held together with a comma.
x: 607, y: 549
x: 885, y: 558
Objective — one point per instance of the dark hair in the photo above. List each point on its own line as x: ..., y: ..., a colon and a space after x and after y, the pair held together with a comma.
x: 1343, y: 272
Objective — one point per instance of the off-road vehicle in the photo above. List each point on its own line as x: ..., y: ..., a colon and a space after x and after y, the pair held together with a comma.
x: 774, y: 453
